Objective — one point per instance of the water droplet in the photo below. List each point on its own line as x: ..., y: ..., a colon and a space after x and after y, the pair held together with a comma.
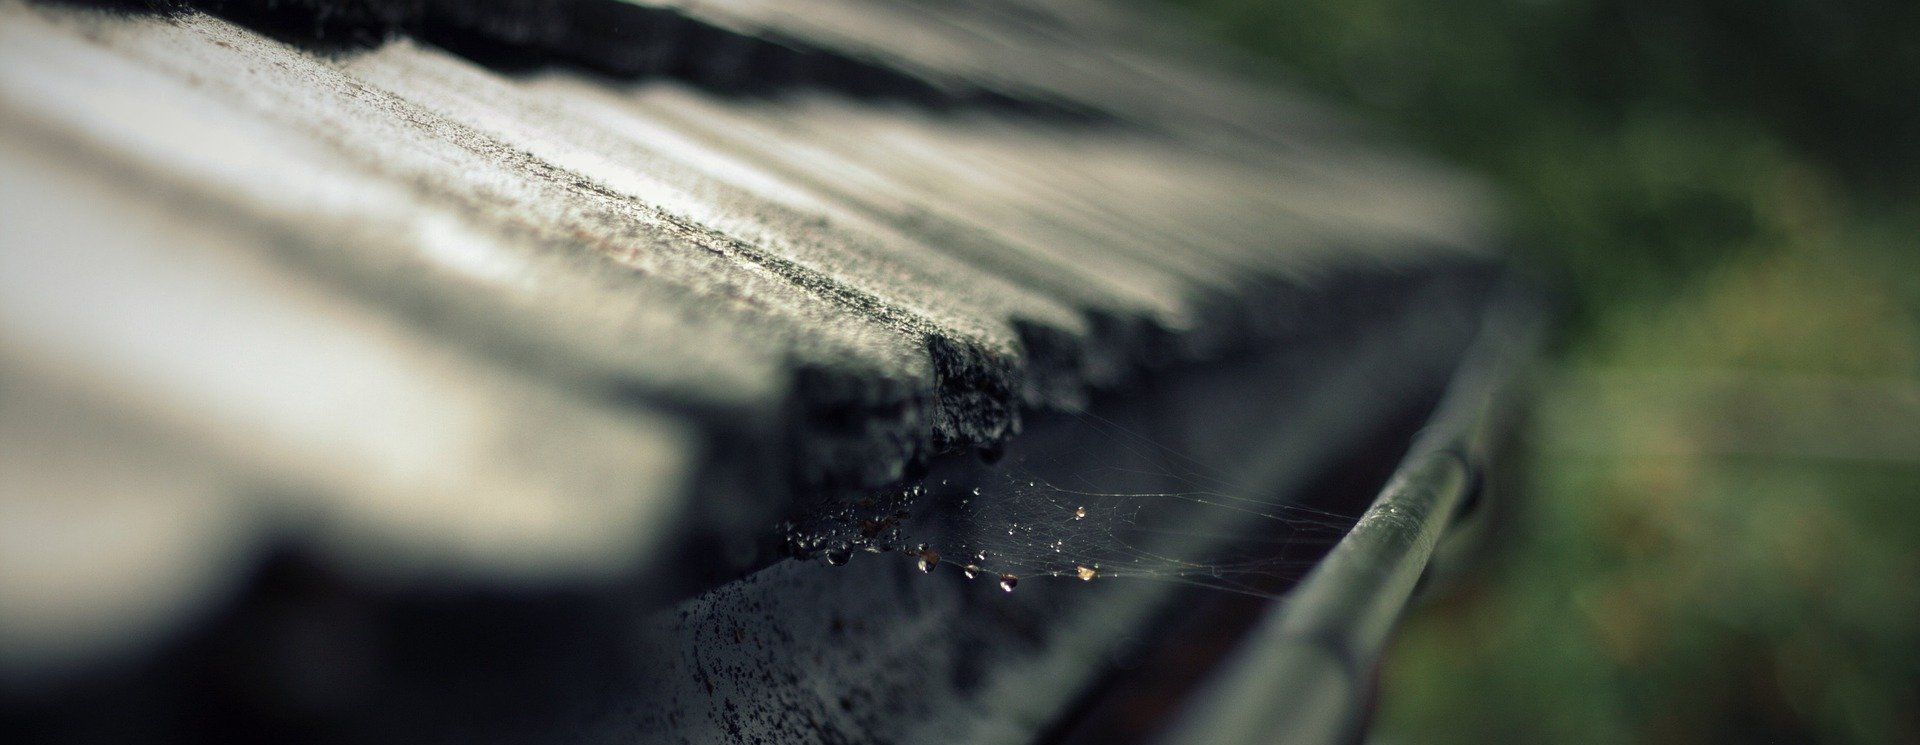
x: 1087, y: 573
x: 929, y: 559
x: 838, y: 555
x: 976, y: 491
x: 1007, y: 582
x: 1080, y: 513
x: 969, y: 571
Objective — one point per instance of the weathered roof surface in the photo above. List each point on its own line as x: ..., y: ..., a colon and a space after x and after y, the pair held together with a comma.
x: 436, y: 323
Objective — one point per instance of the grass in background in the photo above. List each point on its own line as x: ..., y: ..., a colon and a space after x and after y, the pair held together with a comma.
x: 1720, y: 535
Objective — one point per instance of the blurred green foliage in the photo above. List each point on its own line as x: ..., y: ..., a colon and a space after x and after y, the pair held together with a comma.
x: 1643, y: 140
x: 1717, y: 536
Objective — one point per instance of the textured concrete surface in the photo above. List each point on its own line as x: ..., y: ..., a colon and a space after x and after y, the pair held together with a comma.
x: 590, y: 306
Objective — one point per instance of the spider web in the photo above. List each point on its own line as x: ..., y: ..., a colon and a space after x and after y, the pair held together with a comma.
x: 1110, y: 505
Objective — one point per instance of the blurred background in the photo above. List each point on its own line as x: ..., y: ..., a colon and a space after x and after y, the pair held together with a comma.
x: 1717, y: 535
